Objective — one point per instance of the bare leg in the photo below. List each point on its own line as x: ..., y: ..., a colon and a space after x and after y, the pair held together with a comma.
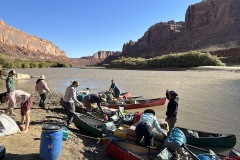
x: 22, y: 119
x: 27, y: 114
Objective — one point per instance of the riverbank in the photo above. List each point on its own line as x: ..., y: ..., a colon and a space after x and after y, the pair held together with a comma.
x: 224, y: 68
x: 26, y: 146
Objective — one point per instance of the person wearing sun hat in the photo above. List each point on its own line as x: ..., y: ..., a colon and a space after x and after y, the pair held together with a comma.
x: 10, y: 85
x: 69, y: 100
x: 42, y: 88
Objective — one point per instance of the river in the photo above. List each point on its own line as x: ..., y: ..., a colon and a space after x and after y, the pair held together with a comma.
x: 209, y: 99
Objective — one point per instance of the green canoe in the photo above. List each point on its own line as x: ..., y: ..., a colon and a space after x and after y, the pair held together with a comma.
x: 92, y: 125
x: 207, y: 139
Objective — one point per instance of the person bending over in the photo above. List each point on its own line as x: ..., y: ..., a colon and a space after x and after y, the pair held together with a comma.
x: 42, y: 88
x: 24, y: 99
x: 144, y: 127
x: 89, y: 99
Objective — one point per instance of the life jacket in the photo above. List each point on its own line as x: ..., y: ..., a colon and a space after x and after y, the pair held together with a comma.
x: 80, y: 97
x: 176, y: 135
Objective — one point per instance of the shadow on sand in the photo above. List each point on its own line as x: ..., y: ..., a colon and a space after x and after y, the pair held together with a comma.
x: 10, y: 156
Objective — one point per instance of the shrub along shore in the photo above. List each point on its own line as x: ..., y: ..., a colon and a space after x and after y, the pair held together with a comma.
x: 175, y: 60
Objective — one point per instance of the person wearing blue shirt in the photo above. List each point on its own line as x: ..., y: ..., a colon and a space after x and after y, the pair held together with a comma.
x: 115, y: 89
x: 144, y: 127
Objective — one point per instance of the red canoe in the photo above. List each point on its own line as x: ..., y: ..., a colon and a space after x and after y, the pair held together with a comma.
x: 126, y: 95
x: 143, y: 103
x: 120, y: 149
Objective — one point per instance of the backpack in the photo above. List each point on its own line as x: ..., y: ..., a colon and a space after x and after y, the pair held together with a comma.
x: 128, y: 118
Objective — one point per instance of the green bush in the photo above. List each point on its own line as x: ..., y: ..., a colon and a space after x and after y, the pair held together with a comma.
x: 188, y: 59
x: 25, y: 65
x: 8, y: 65
x: 33, y: 64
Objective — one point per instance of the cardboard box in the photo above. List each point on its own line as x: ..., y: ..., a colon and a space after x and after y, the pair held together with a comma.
x: 131, y: 131
x: 120, y: 133
x: 157, y: 143
x: 159, y: 136
x: 163, y: 124
x: 114, y: 111
x: 131, y: 138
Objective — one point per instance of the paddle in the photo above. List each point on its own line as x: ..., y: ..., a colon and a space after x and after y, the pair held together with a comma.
x: 204, y: 150
x: 194, y: 155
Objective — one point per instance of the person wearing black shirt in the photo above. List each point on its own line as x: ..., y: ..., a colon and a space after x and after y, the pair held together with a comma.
x: 172, y: 109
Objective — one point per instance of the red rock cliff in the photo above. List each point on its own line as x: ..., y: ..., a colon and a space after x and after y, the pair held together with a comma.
x: 211, y: 25
x: 14, y: 37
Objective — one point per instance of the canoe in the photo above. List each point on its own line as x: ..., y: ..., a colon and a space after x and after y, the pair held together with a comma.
x: 97, y: 113
x: 234, y: 153
x: 84, y: 91
x: 142, y: 103
x: 207, y: 139
x: 126, y: 94
x: 92, y: 125
x: 120, y: 149
x: 89, y: 124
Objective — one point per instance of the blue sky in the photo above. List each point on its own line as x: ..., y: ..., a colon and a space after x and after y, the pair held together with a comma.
x: 84, y: 27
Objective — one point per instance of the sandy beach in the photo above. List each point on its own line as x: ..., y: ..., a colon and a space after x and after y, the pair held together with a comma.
x: 26, y: 146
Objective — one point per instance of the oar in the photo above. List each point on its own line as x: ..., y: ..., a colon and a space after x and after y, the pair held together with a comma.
x: 204, y: 150
x: 194, y: 155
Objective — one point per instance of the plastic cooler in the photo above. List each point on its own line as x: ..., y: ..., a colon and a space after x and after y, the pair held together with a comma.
x: 51, y: 142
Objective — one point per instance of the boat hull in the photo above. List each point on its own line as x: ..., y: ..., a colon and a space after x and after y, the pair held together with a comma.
x: 140, y: 104
x: 120, y: 149
x: 207, y: 139
x: 126, y: 95
x: 90, y: 124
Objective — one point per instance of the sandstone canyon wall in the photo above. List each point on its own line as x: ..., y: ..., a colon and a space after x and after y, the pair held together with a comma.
x: 211, y: 25
x: 14, y: 37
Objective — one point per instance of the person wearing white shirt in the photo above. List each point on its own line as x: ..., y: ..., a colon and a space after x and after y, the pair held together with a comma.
x: 69, y: 100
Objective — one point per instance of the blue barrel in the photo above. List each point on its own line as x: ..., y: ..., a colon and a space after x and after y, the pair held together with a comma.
x: 51, y: 142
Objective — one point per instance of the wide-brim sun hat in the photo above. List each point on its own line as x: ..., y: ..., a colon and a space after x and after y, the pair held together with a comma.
x: 42, y: 77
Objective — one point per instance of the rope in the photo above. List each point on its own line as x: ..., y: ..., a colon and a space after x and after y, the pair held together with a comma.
x: 98, y: 140
x: 104, y: 147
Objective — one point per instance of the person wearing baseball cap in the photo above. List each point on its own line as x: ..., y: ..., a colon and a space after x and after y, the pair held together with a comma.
x: 69, y: 100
